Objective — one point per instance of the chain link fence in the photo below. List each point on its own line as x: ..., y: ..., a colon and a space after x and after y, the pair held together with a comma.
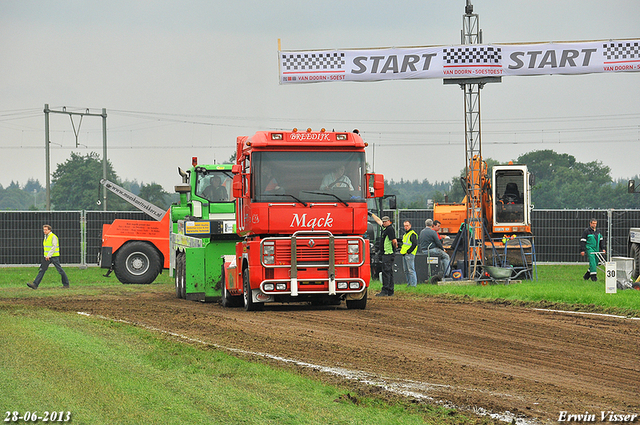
x: 79, y: 232
x: 557, y: 232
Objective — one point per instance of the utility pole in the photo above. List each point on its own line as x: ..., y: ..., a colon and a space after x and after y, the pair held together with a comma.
x: 76, y: 132
x: 472, y: 34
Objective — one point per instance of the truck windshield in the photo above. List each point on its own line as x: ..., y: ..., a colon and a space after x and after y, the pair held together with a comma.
x: 308, y: 176
x: 214, y: 185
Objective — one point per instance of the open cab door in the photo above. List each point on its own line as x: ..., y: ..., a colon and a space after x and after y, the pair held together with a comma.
x: 511, y: 197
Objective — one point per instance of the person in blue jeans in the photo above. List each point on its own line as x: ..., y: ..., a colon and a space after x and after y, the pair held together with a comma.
x: 408, y: 250
x: 51, y: 247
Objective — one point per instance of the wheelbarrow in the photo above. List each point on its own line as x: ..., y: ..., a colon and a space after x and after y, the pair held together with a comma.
x: 498, y: 273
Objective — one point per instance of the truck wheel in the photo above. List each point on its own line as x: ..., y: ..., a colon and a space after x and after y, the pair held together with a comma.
x: 360, y: 304
x: 137, y: 262
x: 180, y: 275
x: 635, y: 254
x: 249, y: 305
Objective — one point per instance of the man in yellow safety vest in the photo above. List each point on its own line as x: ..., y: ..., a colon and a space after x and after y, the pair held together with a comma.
x: 51, y: 255
x: 408, y: 251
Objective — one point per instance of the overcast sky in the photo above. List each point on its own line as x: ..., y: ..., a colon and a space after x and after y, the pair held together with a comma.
x: 185, y: 78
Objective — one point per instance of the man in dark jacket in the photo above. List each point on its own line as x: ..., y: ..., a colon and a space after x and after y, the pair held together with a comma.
x: 591, y: 241
x: 388, y: 245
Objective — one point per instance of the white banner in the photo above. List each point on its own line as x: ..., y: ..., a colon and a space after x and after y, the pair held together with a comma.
x: 464, y: 61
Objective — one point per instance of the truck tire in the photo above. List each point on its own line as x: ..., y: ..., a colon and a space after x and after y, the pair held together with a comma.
x: 249, y: 305
x: 635, y: 254
x: 137, y: 262
x: 180, y: 275
x: 360, y: 304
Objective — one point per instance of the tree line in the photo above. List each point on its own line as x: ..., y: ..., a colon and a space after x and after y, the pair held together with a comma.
x: 75, y: 185
x: 561, y: 182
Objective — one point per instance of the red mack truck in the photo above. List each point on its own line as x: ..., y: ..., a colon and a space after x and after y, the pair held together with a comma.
x: 302, y: 211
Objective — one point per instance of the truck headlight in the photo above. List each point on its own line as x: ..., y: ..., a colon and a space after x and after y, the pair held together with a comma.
x: 353, y: 249
x: 342, y: 285
x: 268, y: 253
x: 268, y: 286
x: 281, y: 286
x: 354, y: 285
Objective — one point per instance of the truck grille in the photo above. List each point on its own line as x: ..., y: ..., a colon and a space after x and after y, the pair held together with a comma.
x: 316, y: 254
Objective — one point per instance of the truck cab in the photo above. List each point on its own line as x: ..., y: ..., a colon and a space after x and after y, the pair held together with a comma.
x: 302, y: 210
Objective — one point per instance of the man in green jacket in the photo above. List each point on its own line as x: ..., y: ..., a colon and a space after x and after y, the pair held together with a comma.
x: 51, y: 247
x: 591, y: 241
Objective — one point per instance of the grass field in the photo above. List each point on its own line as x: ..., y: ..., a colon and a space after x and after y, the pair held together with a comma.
x: 113, y: 373
x: 558, y: 286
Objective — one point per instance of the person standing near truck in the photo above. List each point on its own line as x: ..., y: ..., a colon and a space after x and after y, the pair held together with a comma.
x: 51, y: 247
x: 591, y: 241
x: 408, y: 251
x: 388, y: 245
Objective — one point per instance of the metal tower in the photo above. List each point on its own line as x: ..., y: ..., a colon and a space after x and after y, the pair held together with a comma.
x: 472, y: 34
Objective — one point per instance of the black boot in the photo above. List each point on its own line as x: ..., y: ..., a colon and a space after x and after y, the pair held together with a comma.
x: 594, y: 277
x: 586, y: 275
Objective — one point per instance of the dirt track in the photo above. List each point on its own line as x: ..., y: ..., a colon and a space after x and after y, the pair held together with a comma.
x: 497, y: 357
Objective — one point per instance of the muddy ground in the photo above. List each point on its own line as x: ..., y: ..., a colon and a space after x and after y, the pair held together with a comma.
x: 494, y: 356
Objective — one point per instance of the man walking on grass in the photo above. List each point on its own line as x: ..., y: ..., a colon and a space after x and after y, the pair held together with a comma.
x: 51, y: 247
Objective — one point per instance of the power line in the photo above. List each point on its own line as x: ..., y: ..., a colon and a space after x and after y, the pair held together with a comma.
x: 387, y: 143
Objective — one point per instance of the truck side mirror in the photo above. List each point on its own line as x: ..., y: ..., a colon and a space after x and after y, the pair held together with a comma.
x: 237, y: 186
x: 631, y: 188
x: 375, y: 182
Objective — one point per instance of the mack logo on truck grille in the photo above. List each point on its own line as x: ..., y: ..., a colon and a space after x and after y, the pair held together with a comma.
x: 312, y: 223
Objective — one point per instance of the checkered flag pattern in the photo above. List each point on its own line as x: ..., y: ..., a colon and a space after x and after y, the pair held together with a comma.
x: 312, y: 61
x: 619, y: 51
x: 470, y: 55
